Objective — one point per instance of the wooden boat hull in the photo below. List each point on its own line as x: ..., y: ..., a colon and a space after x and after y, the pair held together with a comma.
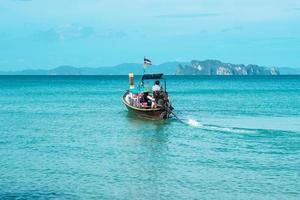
x: 153, y: 114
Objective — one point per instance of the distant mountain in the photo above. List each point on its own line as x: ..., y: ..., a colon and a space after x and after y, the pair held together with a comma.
x: 216, y: 67
x: 195, y: 67
x: 121, y: 69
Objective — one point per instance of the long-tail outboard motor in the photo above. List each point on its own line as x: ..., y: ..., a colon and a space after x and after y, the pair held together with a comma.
x: 163, y: 101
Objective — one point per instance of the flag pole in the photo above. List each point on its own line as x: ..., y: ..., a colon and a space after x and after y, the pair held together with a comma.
x: 144, y: 67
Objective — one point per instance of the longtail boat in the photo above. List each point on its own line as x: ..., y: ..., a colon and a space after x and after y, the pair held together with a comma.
x: 143, y: 102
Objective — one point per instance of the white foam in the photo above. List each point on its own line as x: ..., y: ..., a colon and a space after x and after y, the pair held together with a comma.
x: 193, y: 122
x: 209, y: 127
x: 197, y: 124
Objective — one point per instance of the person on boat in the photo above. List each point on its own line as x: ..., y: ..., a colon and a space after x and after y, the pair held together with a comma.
x: 152, y: 100
x: 156, y: 86
x: 144, y: 99
x: 148, y: 99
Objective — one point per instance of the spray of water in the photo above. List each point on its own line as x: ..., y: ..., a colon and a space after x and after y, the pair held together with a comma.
x: 194, y: 123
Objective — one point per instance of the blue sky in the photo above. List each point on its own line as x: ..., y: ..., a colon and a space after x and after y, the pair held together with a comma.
x: 49, y: 33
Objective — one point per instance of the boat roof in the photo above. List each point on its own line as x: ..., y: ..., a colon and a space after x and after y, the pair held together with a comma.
x: 152, y: 76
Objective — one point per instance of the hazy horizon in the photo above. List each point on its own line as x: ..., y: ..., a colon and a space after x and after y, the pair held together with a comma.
x: 92, y: 33
x: 136, y: 63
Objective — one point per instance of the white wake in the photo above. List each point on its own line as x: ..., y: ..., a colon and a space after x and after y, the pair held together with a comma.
x: 195, y: 123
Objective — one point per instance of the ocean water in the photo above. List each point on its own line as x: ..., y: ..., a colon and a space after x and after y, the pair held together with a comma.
x: 70, y: 137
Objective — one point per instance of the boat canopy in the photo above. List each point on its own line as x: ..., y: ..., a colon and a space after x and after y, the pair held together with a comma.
x: 152, y: 76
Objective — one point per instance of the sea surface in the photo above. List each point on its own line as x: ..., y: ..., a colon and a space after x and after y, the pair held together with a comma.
x: 70, y: 137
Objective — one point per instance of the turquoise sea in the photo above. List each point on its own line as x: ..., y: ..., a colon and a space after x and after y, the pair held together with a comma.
x: 70, y: 137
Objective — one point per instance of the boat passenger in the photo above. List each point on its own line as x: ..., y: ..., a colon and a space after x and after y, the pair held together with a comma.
x: 156, y: 86
x: 144, y: 99
x: 148, y: 99
x: 152, y: 100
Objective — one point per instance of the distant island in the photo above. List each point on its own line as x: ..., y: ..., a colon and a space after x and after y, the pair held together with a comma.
x: 195, y: 67
x: 215, y: 67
